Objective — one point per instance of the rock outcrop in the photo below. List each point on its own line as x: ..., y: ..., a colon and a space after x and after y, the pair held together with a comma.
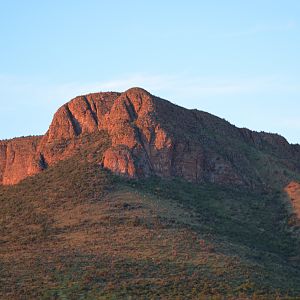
x: 293, y: 192
x: 151, y: 136
x: 18, y: 159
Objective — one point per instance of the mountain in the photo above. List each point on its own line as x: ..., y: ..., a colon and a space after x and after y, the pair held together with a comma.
x: 151, y: 136
x: 128, y: 195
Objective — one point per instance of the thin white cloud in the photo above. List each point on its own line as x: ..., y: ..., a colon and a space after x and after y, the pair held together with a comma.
x: 195, y: 86
x: 199, y: 85
x: 262, y: 29
x: 18, y: 90
x: 291, y: 122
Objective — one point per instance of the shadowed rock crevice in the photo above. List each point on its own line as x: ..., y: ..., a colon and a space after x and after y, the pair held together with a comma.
x: 76, y: 125
x: 130, y: 109
x: 42, y: 162
x: 3, y: 159
x: 92, y: 110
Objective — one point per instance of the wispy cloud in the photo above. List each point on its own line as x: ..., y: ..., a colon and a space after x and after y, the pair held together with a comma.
x: 192, y: 86
x: 18, y: 90
x: 291, y: 122
x: 263, y: 29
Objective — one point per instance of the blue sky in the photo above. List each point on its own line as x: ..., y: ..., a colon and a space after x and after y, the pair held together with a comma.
x: 236, y: 59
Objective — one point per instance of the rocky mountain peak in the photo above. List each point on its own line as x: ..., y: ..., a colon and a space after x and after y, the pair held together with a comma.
x: 151, y: 136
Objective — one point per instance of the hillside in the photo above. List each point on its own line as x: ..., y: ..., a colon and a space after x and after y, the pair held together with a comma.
x: 128, y: 195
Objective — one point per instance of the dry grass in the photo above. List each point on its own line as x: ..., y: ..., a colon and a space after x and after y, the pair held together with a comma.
x: 77, y: 232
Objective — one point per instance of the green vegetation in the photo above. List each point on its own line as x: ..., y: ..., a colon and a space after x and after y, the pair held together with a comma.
x: 256, y: 219
x: 76, y: 231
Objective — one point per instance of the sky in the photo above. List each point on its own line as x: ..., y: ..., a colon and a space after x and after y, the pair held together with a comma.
x: 239, y: 60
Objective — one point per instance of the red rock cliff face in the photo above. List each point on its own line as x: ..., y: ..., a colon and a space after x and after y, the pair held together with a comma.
x: 18, y: 159
x: 293, y: 192
x: 82, y: 115
x: 149, y: 136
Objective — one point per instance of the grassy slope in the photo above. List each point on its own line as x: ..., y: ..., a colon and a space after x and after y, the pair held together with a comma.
x: 77, y: 232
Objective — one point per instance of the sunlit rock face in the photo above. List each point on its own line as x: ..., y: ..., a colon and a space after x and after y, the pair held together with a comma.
x: 293, y: 192
x: 148, y: 136
x: 18, y: 159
